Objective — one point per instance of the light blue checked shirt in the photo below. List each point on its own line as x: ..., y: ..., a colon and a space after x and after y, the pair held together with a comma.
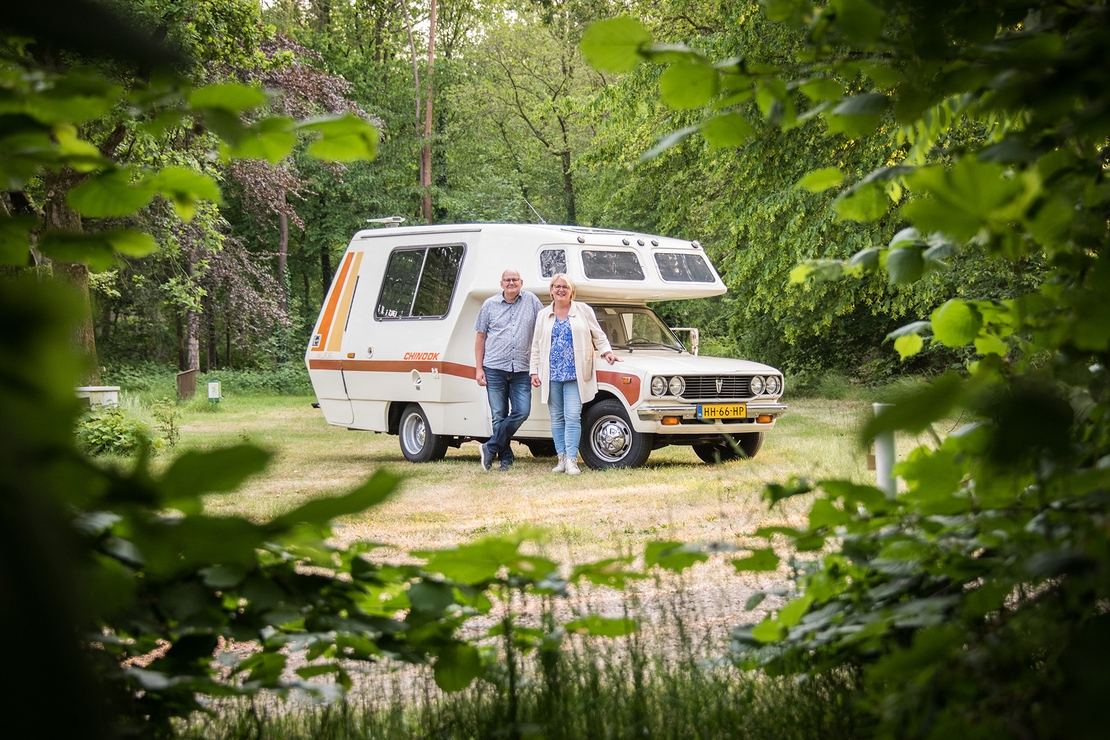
x: 508, y: 328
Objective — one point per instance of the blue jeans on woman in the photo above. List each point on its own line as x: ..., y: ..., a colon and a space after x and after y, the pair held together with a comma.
x: 510, y: 401
x: 566, y: 416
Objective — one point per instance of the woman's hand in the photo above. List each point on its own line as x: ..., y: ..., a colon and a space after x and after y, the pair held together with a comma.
x: 535, y: 381
x: 611, y: 358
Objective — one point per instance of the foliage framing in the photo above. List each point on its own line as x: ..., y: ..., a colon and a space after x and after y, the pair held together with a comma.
x: 975, y: 601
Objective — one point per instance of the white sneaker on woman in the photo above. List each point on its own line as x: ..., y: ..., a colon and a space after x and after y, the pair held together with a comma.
x: 562, y: 466
x: 572, y: 466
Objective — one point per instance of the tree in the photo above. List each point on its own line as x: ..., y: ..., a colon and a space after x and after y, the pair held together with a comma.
x: 972, y: 603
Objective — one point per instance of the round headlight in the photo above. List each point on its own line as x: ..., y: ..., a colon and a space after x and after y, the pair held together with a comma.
x: 774, y: 385
x: 658, y: 385
x: 757, y: 386
x: 677, y: 386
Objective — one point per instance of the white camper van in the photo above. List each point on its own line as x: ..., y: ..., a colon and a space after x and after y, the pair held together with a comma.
x: 393, y: 349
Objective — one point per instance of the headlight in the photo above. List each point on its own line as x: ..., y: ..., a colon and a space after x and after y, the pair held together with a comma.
x: 774, y: 385
x: 658, y: 385
x: 677, y: 386
x: 757, y: 386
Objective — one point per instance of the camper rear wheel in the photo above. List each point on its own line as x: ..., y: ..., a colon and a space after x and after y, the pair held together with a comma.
x: 740, y: 446
x: 418, y: 444
x: 608, y: 439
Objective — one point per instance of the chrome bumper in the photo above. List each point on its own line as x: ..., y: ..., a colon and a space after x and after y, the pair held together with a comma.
x: 690, y: 411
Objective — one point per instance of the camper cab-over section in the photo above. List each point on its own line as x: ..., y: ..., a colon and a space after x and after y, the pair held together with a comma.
x: 393, y: 348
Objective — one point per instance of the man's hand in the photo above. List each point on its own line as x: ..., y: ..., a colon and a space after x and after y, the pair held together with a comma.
x: 480, y: 376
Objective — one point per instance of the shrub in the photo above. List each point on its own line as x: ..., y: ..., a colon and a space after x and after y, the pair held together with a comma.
x: 110, y: 431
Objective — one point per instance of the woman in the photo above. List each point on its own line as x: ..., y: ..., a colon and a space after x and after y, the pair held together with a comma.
x: 567, y: 333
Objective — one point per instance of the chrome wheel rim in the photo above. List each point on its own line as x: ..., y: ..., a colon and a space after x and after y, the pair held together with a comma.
x: 414, y: 432
x: 611, y: 438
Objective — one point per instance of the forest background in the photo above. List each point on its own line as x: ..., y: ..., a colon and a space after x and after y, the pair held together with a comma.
x: 500, y: 120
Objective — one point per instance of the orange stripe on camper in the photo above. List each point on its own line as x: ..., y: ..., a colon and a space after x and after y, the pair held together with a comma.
x: 335, y: 339
x: 333, y: 301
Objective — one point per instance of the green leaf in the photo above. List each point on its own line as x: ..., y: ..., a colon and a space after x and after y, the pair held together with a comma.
x: 727, y: 130
x: 673, y: 556
x: 821, y: 180
x: 769, y: 630
x: 908, y: 346
x: 472, y: 563
x: 793, y: 612
x: 956, y: 323
x: 915, y: 411
x: 92, y: 249
x: 614, y: 45
x: 228, y: 96
x: 323, y: 510
x: 457, y: 666
x: 184, y: 188
x: 130, y: 243
x: 759, y: 560
x: 195, y: 473
x: 754, y: 600
x: 685, y: 86
x: 111, y: 193
x: 599, y: 626
x: 822, y: 89
x: 15, y: 238
x: 824, y: 514
x: 860, y: 21
x: 857, y: 116
x: 905, y: 265
x: 864, y: 202
x: 667, y: 142
x: 343, y: 138
x: 789, y: 11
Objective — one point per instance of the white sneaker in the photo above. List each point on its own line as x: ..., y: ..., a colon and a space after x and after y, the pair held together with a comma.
x: 562, y: 466
x: 572, y: 466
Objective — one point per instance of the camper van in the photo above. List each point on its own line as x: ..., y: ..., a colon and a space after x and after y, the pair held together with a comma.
x: 393, y: 348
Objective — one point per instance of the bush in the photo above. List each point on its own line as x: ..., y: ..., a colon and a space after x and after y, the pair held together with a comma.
x: 152, y: 381
x: 110, y: 431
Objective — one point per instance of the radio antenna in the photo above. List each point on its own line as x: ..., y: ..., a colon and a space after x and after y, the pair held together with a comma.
x: 534, y: 211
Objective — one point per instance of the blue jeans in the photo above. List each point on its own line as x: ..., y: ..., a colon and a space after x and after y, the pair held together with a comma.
x: 566, y: 416
x: 510, y: 401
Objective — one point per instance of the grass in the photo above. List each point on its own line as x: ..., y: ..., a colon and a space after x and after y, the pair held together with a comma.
x: 657, y: 684
x: 675, y: 496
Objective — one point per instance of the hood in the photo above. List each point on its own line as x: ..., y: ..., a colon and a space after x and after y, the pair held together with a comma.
x: 655, y: 362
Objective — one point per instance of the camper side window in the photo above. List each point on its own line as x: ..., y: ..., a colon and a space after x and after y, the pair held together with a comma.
x: 676, y: 267
x: 611, y: 265
x: 419, y: 282
x: 552, y: 262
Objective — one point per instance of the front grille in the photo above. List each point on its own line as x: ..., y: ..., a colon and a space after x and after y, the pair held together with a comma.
x: 704, y: 387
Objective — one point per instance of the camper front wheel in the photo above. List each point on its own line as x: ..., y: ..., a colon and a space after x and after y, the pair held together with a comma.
x: 740, y: 445
x: 418, y: 443
x: 608, y: 439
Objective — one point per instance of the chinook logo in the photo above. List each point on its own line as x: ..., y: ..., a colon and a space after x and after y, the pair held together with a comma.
x: 422, y: 355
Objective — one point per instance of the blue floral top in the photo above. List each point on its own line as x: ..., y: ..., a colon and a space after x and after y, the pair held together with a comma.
x: 562, y: 352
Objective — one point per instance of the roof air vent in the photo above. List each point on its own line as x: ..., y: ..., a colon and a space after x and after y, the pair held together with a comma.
x: 655, y: 242
x: 625, y: 242
x: 581, y: 240
x: 695, y: 244
x: 640, y: 242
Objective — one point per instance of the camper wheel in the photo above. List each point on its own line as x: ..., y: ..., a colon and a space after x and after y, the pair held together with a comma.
x: 608, y: 439
x: 741, y: 445
x: 541, y: 447
x: 418, y: 443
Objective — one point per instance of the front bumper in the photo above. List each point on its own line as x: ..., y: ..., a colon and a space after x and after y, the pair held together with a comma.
x: 687, y: 417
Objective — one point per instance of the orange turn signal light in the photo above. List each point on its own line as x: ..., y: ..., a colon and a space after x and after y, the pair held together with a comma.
x: 670, y: 421
x: 764, y: 419
x: 625, y: 380
x: 350, y: 355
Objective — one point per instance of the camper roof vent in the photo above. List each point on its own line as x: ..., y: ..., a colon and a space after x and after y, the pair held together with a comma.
x: 388, y: 221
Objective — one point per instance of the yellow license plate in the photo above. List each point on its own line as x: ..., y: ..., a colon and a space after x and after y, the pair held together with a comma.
x: 723, y: 411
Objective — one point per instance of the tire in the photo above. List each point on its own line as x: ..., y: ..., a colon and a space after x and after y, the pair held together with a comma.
x: 418, y: 444
x: 724, y: 451
x: 540, y: 447
x: 608, y: 439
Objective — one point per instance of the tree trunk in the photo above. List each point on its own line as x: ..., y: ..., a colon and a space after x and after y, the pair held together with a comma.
x: 283, y: 258
x: 211, y: 354
x: 568, y: 189
x: 426, y: 152
x: 57, y: 215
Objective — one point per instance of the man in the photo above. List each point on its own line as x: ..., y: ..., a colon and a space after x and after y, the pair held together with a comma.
x: 501, y: 353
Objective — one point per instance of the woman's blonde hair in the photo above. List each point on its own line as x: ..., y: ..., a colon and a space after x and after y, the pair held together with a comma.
x: 565, y: 279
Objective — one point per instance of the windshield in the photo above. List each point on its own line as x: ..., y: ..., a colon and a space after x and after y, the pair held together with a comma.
x: 631, y: 327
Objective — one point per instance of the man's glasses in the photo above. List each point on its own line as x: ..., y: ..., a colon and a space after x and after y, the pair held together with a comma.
x: 510, y: 280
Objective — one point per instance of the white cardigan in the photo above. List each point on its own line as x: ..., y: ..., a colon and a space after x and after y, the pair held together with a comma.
x: 586, y: 334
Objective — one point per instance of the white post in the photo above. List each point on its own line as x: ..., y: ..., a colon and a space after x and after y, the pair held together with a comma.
x: 885, y: 456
